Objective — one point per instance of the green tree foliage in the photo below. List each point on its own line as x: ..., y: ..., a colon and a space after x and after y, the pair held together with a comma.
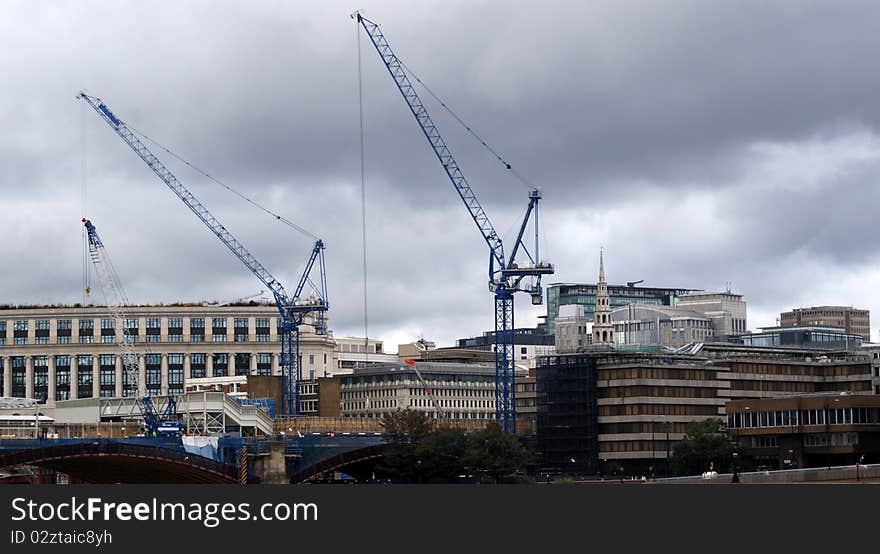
x: 421, y: 452
x: 495, y: 454
x: 706, y: 445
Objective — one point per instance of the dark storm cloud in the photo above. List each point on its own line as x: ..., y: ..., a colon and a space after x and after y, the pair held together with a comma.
x: 700, y: 142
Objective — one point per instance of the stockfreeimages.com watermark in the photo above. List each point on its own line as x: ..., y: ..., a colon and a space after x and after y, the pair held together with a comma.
x: 209, y: 514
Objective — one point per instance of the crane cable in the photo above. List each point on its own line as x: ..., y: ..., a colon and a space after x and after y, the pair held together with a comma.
x: 251, y: 201
x: 467, y: 127
x: 363, y: 190
x: 86, y: 281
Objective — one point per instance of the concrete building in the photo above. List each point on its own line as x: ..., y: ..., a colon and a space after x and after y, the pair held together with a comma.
x: 643, y: 325
x: 851, y: 320
x: 616, y: 412
x: 56, y: 353
x: 818, y: 430
x: 462, y: 390
x: 352, y: 352
x: 574, y: 332
x: 821, y: 338
x: 726, y: 310
x: 528, y: 344
x: 584, y: 295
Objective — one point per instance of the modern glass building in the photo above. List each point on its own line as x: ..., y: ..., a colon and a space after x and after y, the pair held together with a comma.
x: 561, y: 294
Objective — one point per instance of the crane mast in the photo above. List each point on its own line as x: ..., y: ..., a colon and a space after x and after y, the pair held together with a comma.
x: 292, y: 310
x: 505, y: 274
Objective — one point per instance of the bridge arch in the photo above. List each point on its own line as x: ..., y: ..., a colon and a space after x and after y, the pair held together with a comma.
x: 339, y: 461
x: 121, y: 462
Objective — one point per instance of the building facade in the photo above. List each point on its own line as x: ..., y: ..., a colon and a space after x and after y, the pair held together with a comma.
x: 630, y: 419
x: 574, y: 332
x: 584, y: 295
x: 819, y: 430
x: 726, y: 310
x: 461, y: 390
x: 352, y: 352
x: 528, y: 344
x: 821, y: 338
x: 65, y: 353
x: 640, y: 325
x: 851, y: 320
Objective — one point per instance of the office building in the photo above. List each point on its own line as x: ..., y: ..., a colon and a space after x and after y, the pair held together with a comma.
x: 726, y: 310
x: 821, y: 338
x: 627, y: 410
x: 528, y: 344
x: 460, y: 390
x: 584, y: 295
x: 55, y: 353
x: 851, y: 320
x: 809, y: 430
x: 644, y: 325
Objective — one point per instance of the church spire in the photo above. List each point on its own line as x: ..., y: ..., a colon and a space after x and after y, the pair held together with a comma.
x: 601, y: 264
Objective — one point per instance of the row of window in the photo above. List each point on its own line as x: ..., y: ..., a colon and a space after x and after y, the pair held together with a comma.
x: 794, y: 418
x: 133, y: 338
x: 133, y: 323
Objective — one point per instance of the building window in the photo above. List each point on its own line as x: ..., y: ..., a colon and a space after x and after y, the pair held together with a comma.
x: 264, y: 364
x: 42, y: 325
x: 153, y: 338
x: 41, y: 340
x: 175, y: 323
x: 263, y: 337
x: 108, y: 339
x: 86, y: 339
x: 86, y: 325
x: 241, y: 322
x: 63, y: 340
x: 20, y: 340
x: 241, y: 337
x: 311, y: 359
x: 196, y: 323
x: 197, y: 366
x: 197, y: 338
x: 221, y: 365
x: 20, y: 325
x: 218, y: 338
x: 63, y: 325
x: 242, y: 363
x: 175, y: 338
x: 218, y: 322
x: 84, y: 376
x: 262, y: 322
x: 175, y: 371
x: 108, y: 324
x: 154, y: 323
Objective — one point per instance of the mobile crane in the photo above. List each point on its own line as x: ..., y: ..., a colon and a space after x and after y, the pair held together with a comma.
x: 154, y: 423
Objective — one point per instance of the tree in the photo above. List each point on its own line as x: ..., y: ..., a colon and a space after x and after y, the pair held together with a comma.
x: 705, y: 444
x: 407, y: 429
x: 440, y: 457
x: 493, y: 453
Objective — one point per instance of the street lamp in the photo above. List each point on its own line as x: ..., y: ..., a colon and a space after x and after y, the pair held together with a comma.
x: 735, y: 478
x: 858, y: 464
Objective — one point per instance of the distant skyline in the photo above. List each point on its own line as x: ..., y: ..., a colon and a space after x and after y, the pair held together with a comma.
x: 702, y: 143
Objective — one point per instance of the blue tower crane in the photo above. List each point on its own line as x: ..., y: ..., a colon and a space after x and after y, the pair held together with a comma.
x: 505, y: 274
x: 291, y: 308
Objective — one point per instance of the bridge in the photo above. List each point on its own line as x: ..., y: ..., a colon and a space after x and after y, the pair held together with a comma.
x: 281, y: 459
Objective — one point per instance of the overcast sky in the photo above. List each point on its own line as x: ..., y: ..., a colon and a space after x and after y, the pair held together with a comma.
x: 702, y: 143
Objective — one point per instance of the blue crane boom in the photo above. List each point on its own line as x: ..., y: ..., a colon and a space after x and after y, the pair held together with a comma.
x: 292, y: 310
x: 505, y: 274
